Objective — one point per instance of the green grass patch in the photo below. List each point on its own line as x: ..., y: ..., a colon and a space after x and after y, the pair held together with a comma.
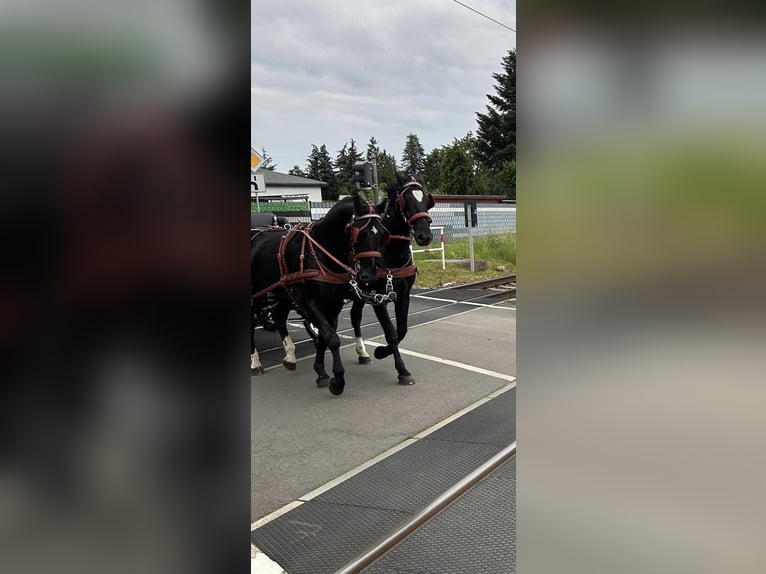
x: 280, y: 206
x: 497, y: 250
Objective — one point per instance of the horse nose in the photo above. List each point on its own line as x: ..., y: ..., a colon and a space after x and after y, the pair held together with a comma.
x: 423, y: 238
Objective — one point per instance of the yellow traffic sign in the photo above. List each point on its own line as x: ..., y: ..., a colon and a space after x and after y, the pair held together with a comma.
x: 256, y: 159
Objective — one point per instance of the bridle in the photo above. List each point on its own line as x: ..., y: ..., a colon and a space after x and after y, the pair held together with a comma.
x: 354, y: 231
x: 401, y: 205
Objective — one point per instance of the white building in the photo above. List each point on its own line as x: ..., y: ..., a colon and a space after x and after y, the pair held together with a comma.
x: 282, y: 186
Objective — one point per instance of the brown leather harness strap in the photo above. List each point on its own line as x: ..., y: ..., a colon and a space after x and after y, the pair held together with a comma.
x: 322, y: 274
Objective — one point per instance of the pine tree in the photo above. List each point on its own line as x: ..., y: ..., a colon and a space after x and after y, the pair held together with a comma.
x: 344, y: 163
x: 496, y: 133
x: 319, y: 166
x: 386, y: 169
x: 457, y: 170
x: 373, y: 151
x: 296, y: 170
x: 413, y: 156
x: 268, y: 162
x: 432, y: 175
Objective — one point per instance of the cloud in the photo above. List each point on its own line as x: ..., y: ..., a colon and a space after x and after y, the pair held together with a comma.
x: 327, y: 72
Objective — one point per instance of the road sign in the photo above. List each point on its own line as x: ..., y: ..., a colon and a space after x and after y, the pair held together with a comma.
x: 256, y: 160
x: 258, y: 184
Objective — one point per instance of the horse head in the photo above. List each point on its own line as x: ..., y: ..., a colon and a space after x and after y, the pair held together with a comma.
x: 366, y: 235
x: 413, y: 203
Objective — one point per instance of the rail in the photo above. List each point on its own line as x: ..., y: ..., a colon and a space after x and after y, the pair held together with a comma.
x: 428, y: 512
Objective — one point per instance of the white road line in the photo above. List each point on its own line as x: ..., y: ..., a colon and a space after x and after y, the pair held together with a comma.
x: 262, y: 564
x: 365, y: 465
x: 457, y: 302
x: 451, y: 363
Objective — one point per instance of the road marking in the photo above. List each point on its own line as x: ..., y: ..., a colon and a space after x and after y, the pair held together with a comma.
x: 457, y: 302
x: 385, y: 454
x: 262, y: 564
x: 466, y: 410
x: 451, y: 363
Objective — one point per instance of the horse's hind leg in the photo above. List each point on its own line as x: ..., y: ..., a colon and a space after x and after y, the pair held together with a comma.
x: 356, y: 323
x: 405, y: 377
x: 280, y: 313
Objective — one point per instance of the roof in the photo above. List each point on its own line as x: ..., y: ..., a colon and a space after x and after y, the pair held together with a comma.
x: 275, y: 179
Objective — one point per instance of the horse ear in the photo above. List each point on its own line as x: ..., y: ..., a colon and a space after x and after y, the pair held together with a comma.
x: 358, y: 203
x: 401, y: 179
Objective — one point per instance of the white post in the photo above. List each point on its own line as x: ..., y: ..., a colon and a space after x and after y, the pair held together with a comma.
x: 441, y: 240
x: 470, y: 247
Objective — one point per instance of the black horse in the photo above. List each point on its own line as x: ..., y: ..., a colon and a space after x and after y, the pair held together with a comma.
x: 405, y: 214
x: 312, y: 267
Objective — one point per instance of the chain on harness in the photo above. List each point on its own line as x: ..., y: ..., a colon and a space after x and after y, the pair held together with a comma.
x: 375, y: 298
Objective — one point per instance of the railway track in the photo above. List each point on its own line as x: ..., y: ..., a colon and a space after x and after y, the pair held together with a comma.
x: 503, y: 287
x: 421, y: 518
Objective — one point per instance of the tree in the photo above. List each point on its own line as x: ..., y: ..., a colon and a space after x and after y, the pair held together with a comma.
x: 413, y: 156
x: 296, y: 170
x: 386, y: 170
x: 457, y: 170
x: 496, y: 133
x: 319, y: 166
x: 432, y: 174
x: 268, y: 162
x: 373, y: 151
x: 344, y: 163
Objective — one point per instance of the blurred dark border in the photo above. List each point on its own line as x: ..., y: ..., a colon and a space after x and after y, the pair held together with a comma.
x: 124, y: 432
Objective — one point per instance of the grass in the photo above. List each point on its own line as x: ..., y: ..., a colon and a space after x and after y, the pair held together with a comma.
x: 280, y: 206
x: 497, y: 250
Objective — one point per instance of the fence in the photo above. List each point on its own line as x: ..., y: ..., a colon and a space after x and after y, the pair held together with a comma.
x: 434, y: 230
x: 492, y: 218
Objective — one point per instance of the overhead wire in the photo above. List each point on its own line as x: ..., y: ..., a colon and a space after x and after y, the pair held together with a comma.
x: 482, y: 14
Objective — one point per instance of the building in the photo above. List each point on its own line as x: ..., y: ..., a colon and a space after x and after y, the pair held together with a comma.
x: 284, y: 186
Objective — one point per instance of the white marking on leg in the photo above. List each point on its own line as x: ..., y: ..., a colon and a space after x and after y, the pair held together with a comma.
x: 361, y: 350
x: 255, y: 361
x: 289, y: 347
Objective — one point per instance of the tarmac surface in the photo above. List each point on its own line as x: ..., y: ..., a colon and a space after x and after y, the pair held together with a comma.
x: 306, y: 443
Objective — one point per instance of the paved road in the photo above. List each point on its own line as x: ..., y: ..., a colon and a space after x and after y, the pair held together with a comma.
x: 460, y: 348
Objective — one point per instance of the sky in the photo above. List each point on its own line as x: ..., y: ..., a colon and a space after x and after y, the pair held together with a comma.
x: 327, y: 71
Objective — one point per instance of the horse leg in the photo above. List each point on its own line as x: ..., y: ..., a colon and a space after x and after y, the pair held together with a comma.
x: 256, y: 368
x: 356, y: 323
x: 405, y: 377
x: 328, y: 339
x: 280, y: 314
x: 323, y: 379
x: 401, y: 309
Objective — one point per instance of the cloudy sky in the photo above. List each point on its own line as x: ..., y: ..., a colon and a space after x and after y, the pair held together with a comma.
x: 327, y: 71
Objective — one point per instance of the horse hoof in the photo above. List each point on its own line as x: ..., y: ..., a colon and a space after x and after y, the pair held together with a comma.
x: 322, y: 382
x: 406, y: 380
x: 257, y: 372
x: 365, y: 360
x: 336, y: 388
x: 288, y: 365
x: 380, y: 353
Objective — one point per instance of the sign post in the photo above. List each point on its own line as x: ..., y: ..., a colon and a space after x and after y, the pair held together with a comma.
x: 471, y: 220
x: 258, y: 185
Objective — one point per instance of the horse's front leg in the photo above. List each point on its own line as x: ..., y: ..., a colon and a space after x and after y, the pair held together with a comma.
x: 328, y: 339
x: 356, y: 323
x: 405, y: 377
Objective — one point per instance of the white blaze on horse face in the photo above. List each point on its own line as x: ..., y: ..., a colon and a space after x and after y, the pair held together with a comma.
x: 374, y: 231
x: 417, y: 194
x: 255, y: 361
x: 289, y: 347
x: 360, y: 348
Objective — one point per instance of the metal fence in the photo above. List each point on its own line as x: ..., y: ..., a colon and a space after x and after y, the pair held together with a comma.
x: 492, y: 218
